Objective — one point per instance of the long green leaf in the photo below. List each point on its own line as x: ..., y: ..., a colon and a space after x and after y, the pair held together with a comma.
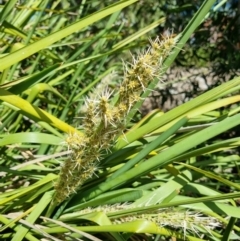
x: 165, y: 157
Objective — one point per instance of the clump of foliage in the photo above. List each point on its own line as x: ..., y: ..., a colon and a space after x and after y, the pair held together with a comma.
x: 102, y: 176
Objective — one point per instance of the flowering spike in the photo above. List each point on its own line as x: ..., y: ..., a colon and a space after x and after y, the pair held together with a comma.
x: 186, y: 220
x: 103, y: 122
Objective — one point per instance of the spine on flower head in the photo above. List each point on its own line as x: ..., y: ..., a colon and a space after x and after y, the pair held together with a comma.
x: 104, y: 122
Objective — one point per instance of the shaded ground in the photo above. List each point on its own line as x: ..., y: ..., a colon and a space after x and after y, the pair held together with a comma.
x: 187, y: 84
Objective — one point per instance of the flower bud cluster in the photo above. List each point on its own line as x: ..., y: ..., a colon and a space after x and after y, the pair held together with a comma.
x: 104, y: 122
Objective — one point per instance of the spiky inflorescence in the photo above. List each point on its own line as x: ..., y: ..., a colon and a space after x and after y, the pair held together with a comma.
x: 186, y: 220
x: 103, y: 122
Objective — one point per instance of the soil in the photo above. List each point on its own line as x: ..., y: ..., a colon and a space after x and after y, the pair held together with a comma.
x: 184, y: 84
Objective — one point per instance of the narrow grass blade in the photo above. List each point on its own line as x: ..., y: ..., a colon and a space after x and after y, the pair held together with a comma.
x: 35, y: 214
x: 30, y: 137
x: 149, y: 147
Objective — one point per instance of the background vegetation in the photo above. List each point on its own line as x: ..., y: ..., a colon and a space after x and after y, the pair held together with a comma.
x: 167, y: 176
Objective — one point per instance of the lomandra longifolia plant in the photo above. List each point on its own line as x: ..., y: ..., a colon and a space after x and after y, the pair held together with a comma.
x: 104, y: 122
